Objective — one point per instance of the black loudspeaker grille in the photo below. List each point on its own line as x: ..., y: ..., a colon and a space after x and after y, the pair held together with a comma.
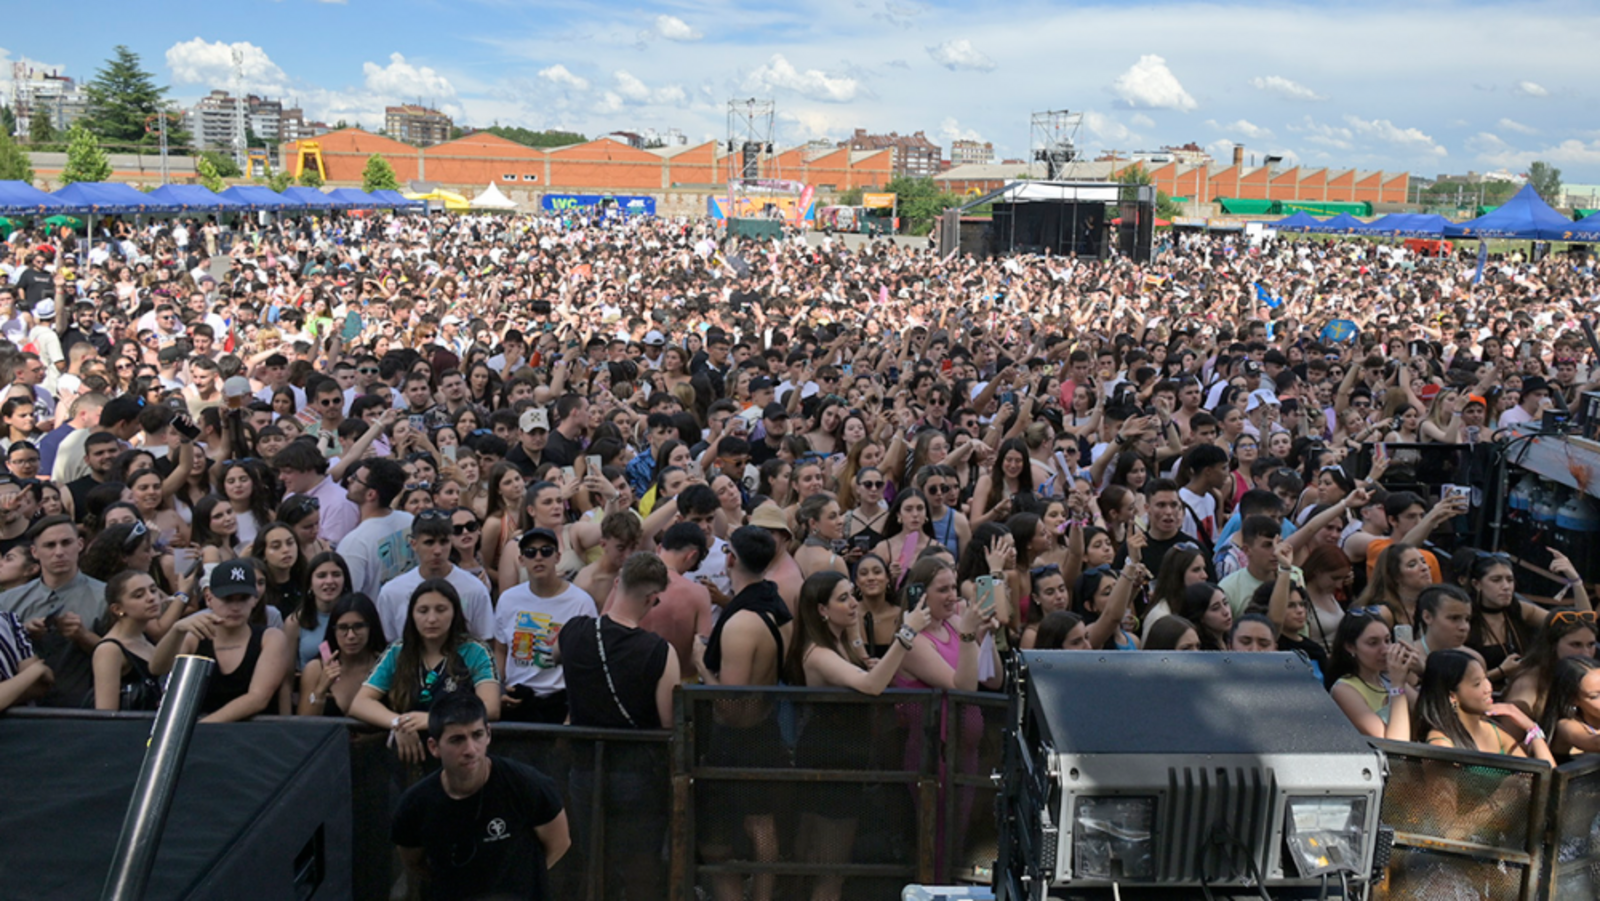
x: 1216, y: 820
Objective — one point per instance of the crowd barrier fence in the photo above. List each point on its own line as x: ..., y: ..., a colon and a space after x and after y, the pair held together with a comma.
x: 797, y: 785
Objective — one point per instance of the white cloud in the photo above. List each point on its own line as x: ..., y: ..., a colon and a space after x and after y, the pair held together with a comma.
x: 1530, y: 89
x: 1149, y: 84
x: 1390, y: 133
x: 1243, y: 128
x: 209, y: 64
x: 959, y: 54
x: 1140, y: 120
x: 1221, y: 150
x: 814, y: 84
x: 632, y: 89
x: 401, y: 79
x: 558, y: 74
x: 951, y: 130
x: 1324, y: 134
x: 1107, y: 129
x: 1518, y: 127
x: 675, y: 29
x: 1283, y: 87
x: 1491, y: 149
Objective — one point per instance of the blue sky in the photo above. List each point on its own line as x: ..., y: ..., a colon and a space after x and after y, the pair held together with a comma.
x: 1427, y: 87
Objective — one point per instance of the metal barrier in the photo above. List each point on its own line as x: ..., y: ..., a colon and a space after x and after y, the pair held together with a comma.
x: 1467, y: 824
x: 1574, y: 855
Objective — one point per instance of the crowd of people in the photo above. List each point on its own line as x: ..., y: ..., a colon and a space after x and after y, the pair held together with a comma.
x: 551, y: 467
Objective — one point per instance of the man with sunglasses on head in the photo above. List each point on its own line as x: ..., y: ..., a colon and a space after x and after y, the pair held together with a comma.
x: 527, y: 622
x: 303, y: 470
x: 430, y: 540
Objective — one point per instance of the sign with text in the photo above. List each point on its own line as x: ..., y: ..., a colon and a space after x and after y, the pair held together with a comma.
x: 878, y: 201
x: 630, y: 205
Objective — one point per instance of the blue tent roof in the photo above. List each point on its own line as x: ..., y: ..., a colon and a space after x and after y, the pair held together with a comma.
x: 106, y: 198
x: 1340, y: 224
x: 310, y: 198
x: 1385, y: 225
x: 1300, y: 222
x: 397, y: 200
x: 1423, y: 225
x: 193, y: 197
x: 18, y: 198
x: 1525, y: 216
x: 354, y: 199
x: 256, y: 197
x: 1585, y: 229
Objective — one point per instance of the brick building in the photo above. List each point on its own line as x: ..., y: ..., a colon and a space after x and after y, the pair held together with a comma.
x: 963, y: 151
x: 911, y: 155
x: 418, y: 125
x: 603, y: 165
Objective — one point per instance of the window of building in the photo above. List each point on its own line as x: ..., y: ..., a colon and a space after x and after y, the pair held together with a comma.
x: 511, y: 177
x: 530, y: 177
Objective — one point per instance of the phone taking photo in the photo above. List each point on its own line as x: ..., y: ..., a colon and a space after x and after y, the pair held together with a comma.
x: 914, y: 594
x: 985, y: 585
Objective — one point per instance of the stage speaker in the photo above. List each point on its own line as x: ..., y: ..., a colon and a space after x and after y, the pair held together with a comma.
x: 750, y: 160
x: 1162, y: 770
x: 262, y: 810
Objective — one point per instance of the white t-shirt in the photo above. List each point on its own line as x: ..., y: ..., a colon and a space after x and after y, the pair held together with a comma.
x: 395, y: 600
x: 528, y: 625
x: 1202, y: 506
x: 377, y: 551
x: 714, y: 568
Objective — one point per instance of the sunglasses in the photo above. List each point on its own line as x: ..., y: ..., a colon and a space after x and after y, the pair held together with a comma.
x: 329, y: 401
x: 543, y: 550
x: 350, y: 628
x: 367, y: 370
x: 1044, y: 570
x: 466, y: 528
x: 139, y: 531
x: 872, y: 485
x: 435, y: 514
x: 1375, y: 611
x: 305, y: 502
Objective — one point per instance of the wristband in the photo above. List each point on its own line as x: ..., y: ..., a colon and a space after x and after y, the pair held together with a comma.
x: 1534, y: 734
x: 905, y: 636
x: 1396, y: 691
x: 969, y: 637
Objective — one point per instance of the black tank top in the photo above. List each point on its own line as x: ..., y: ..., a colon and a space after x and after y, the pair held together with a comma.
x: 634, y: 659
x: 226, y: 687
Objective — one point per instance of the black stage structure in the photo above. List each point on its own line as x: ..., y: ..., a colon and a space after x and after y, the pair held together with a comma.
x: 1066, y: 218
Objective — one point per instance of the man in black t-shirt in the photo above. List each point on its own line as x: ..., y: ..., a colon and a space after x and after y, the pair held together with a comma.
x: 620, y: 676
x: 484, y: 827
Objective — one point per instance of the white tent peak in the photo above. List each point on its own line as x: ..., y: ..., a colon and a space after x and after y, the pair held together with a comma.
x: 492, y: 199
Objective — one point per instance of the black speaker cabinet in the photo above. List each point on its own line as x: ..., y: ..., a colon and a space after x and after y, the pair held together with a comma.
x: 262, y: 810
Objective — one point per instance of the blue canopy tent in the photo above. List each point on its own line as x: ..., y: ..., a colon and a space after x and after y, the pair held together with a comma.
x: 194, y: 198
x: 354, y: 199
x: 108, y: 198
x: 18, y: 198
x: 1524, y: 217
x: 1585, y: 229
x: 397, y: 200
x: 1344, y: 223
x: 310, y: 198
x: 255, y: 197
x: 1423, y: 225
x: 1299, y: 222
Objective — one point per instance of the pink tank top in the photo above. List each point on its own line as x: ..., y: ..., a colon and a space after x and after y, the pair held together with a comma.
x: 949, y: 650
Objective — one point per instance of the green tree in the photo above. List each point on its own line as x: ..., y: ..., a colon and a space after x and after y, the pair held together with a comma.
x: 1546, y: 179
x: 851, y: 197
x: 41, y: 130
x: 122, y: 96
x: 208, y: 173
x: 14, y: 165
x: 85, y: 160
x: 222, y: 162
x: 920, y: 202
x: 8, y: 121
x: 1135, y: 176
x: 379, y: 175
x: 529, y: 138
x: 279, y: 180
x: 310, y: 178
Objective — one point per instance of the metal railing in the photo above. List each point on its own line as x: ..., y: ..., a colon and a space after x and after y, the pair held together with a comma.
x: 884, y: 791
x: 1464, y: 819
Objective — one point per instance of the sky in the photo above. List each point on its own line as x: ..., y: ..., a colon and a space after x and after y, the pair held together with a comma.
x: 1428, y: 86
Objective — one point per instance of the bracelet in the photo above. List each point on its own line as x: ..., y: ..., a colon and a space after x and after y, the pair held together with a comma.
x: 969, y: 637
x: 906, y: 636
x: 1285, y: 569
x: 1534, y: 734
x: 857, y: 643
x: 1396, y: 691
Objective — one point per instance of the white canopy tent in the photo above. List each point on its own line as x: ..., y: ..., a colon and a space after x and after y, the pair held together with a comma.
x: 492, y: 199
